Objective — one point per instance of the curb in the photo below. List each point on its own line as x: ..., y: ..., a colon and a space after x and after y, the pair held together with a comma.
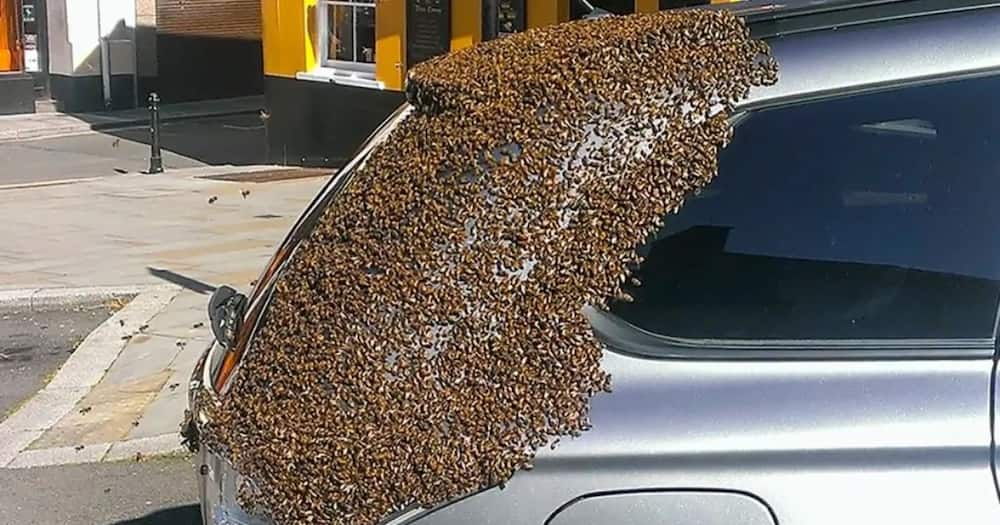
x: 39, y: 299
x: 78, y: 375
x: 45, y: 183
x: 132, y: 449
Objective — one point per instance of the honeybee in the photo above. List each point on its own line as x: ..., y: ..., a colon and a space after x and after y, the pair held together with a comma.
x: 426, y: 338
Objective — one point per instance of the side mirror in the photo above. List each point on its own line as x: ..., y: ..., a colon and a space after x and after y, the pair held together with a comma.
x: 226, y: 309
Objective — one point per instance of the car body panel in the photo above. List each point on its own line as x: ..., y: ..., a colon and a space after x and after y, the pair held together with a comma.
x: 873, y: 55
x: 677, y: 507
x: 884, y: 439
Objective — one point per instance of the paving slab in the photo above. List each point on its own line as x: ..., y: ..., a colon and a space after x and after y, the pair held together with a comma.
x: 102, y: 416
x: 162, y: 415
x: 12, y: 443
x: 43, y: 410
x: 114, y: 231
x: 185, y: 360
x: 143, y: 356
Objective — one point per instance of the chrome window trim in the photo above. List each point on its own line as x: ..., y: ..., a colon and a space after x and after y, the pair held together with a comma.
x: 624, y: 338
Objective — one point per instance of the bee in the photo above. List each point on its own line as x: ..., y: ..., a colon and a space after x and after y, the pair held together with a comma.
x: 425, y: 340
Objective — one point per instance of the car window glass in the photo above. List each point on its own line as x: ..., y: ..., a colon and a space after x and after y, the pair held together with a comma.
x: 866, y: 217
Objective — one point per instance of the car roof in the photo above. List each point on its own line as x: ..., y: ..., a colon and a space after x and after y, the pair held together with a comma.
x: 832, y: 47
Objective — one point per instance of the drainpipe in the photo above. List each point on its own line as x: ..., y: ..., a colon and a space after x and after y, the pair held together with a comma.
x: 105, y: 59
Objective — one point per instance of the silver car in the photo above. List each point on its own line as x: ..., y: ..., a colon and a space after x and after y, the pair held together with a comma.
x: 815, y: 339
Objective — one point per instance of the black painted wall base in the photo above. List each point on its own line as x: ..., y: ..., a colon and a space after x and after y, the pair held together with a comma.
x: 202, y: 68
x: 18, y: 93
x: 81, y: 94
x: 75, y: 94
x: 322, y: 124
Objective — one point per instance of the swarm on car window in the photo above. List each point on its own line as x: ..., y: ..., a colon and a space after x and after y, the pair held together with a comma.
x: 427, y: 337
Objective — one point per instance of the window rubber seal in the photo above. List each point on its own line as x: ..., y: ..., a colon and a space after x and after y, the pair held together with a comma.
x: 623, y: 337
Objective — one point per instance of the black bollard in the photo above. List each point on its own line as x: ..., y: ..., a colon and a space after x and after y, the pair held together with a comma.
x: 155, y: 160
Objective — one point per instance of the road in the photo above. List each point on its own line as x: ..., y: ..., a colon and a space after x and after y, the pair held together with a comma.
x: 237, y: 139
x: 34, y: 345
x: 160, y: 491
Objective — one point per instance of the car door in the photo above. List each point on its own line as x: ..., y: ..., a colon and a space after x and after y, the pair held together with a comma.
x: 817, y: 329
x: 813, y: 338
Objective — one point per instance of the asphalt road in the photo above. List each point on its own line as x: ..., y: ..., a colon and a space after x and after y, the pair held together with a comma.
x: 34, y: 345
x: 237, y: 139
x: 161, y: 491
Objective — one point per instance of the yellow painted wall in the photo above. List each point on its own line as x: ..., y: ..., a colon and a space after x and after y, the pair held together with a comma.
x: 390, y: 43
x: 466, y: 23
x: 546, y: 12
x: 291, y: 45
x: 289, y: 28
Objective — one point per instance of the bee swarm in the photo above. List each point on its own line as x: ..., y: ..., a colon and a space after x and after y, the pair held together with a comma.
x: 427, y: 337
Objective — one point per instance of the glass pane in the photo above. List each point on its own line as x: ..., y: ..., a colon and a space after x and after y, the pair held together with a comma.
x: 341, y: 37
x: 366, y: 34
x: 860, y: 218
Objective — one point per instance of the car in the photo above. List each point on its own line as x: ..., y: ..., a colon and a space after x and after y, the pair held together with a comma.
x: 815, y: 338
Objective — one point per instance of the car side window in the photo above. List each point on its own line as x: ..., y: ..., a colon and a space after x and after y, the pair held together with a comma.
x: 866, y: 217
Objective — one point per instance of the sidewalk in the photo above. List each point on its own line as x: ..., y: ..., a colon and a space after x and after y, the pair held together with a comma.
x: 47, y: 125
x: 124, y: 390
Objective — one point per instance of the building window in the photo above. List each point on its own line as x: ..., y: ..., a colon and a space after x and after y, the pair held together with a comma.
x: 348, y: 28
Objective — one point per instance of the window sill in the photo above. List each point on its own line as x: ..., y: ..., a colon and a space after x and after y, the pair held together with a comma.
x: 341, y: 77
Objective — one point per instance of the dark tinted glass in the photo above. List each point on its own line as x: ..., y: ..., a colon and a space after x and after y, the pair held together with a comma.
x: 867, y: 217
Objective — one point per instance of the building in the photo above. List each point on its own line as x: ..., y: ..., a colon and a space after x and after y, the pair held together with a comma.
x: 334, y: 69
x: 16, y: 85
x: 89, y: 55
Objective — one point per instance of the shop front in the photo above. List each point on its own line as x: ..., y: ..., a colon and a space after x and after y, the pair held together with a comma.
x: 334, y: 69
x: 17, y: 93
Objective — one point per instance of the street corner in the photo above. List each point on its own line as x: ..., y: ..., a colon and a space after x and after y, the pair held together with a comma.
x: 99, y: 393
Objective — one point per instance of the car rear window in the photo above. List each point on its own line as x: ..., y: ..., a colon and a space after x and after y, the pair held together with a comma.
x: 868, y: 217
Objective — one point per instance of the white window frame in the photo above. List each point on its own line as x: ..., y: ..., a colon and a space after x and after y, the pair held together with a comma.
x: 360, y: 74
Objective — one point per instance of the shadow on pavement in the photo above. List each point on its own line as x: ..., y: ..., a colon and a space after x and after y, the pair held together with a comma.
x: 184, y: 282
x: 186, y: 515
x: 215, y: 140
